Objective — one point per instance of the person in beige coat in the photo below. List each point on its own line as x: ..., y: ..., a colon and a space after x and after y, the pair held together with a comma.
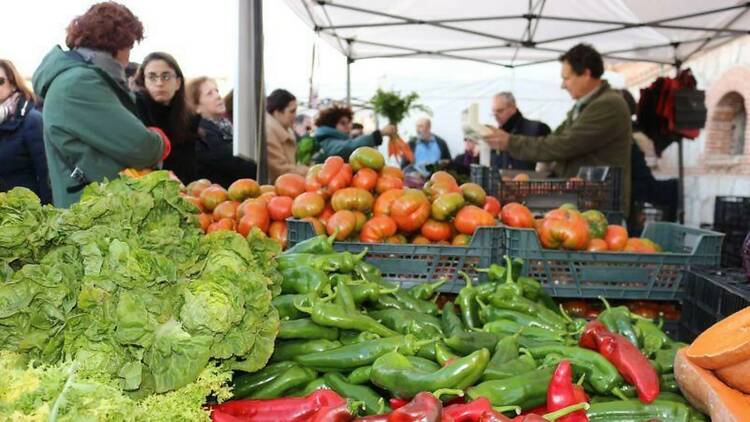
x: 281, y: 108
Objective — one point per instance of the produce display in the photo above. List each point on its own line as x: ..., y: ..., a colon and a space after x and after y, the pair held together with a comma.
x: 359, y: 200
x: 501, y: 348
x: 569, y: 229
x: 121, y: 296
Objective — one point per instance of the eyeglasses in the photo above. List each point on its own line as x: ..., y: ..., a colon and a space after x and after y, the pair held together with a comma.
x: 2, y: 81
x: 165, y: 77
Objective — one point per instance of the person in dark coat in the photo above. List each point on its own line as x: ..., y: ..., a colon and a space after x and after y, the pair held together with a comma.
x: 462, y: 163
x: 510, y: 119
x: 22, y: 159
x: 214, y: 148
x: 160, y: 100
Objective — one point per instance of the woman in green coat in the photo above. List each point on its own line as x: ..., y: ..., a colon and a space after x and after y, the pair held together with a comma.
x: 332, y: 134
x: 91, y: 131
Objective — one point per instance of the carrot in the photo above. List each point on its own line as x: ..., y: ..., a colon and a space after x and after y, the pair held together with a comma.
x: 736, y: 376
x: 708, y: 394
x: 726, y: 343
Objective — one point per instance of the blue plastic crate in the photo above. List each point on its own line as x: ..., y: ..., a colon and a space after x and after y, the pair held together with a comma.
x: 411, y: 264
x: 618, y: 275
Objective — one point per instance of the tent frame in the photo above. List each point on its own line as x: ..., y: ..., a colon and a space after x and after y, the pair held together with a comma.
x: 527, y: 41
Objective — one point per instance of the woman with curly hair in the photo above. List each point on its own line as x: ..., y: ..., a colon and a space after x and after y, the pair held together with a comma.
x: 91, y: 130
x: 332, y: 135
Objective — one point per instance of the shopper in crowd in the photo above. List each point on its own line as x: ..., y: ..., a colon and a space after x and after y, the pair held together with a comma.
x: 281, y: 109
x: 22, y: 159
x: 302, y: 126
x: 332, y: 134
x: 462, y: 163
x: 427, y: 147
x: 214, y: 149
x: 596, y: 131
x: 130, y: 71
x: 229, y: 106
x: 91, y: 130
x: 160, y: 100
x: 510, y: 119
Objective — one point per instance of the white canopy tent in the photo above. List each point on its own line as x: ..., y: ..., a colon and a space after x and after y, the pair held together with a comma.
x: 520, y: 33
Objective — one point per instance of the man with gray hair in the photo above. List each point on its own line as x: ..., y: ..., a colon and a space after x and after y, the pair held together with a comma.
x: 427, y: 147
x: 510, y: 119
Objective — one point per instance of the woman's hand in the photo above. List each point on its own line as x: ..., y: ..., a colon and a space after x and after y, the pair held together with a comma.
x: 389, y: 130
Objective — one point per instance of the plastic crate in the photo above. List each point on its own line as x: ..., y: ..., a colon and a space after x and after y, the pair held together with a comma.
x: 618, y: 275
x: 732, y: 213
x: 411, y: 264
x: 731, y: 252
x: 710, y: 296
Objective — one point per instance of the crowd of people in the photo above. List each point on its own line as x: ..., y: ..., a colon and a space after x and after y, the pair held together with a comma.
x: 93, y: 113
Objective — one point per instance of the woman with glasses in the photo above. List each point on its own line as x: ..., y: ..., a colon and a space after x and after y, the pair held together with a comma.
x: 214, y: 152
x: 160, y: 99
x: 332, y: 134
x: 91, y: 131
x: 22, y: 160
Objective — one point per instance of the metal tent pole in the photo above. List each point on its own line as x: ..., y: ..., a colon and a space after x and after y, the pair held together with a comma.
x: 349, y: 62
x: 680, y: 162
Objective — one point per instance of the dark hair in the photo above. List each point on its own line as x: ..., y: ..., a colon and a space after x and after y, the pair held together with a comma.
x: 582, y: 57
x: 14, y: 78
x: 229, y: 105
x: 357, y: 126
x: 107, y: 26
x: 279, y: 100
x: 630, y: 100
x: 179, y: 114
x: 330, y: 116
x: 131, y: 69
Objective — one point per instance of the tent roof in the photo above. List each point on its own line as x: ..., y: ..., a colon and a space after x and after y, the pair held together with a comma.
x: 518, y: 33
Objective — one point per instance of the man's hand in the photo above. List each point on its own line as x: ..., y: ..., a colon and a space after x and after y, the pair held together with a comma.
x: 389, y: 130
x: 498, y: 139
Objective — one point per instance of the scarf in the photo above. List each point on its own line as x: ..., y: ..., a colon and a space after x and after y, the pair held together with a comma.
x: 8, y: 107
x: 107, y: 63
x: 225, y: 126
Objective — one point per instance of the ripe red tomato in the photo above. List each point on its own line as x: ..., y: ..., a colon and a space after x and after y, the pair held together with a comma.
x: 616, y: 237
x: 278, y: 232
x: 308, y: 204
x: 492, y: 206
x: 280, y: 208
x: 342, y: 223
x: 517, y: 215
x: 470, y: 217
x: 291, y: 185
x: 566, y: 229
x: 437, y: 230
x: 410, y: 210
x: 366, y: 178
x: 227, y: 209
x: 223, y: 224
x: 378, y: 229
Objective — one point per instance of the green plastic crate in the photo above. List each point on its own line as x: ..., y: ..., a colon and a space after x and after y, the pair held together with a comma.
x: 411, y: 264
x: 618, y: 275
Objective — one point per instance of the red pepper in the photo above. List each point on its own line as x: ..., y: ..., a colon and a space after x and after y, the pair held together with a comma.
x: 561, y: 393
x: 493, y: 416
x: 219, y: 416
x: 469, y: 412
x: 340, y: 413
x: 373, y: 418
x: 397, y: 403
x: 424, y: 407
x: 290, y: 409
x: 536, y: 411
x: 581, y: 396
x: 629, y: 361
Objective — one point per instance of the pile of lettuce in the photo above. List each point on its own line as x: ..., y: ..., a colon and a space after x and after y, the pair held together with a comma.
x: 125, y: 282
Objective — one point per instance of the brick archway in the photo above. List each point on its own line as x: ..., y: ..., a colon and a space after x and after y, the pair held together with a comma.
x: 728, y: 96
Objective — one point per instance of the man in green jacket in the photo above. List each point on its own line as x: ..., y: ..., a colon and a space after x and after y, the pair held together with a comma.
x: 91, y: 131
x: 596, y: 132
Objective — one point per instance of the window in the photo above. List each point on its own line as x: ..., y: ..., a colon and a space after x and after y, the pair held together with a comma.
x: 739, y: 124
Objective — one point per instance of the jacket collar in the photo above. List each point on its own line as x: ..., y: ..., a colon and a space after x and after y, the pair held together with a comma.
x: 22, y: 110
x: 278, y: 130
x: 510, y: 125
x: 323, y: 132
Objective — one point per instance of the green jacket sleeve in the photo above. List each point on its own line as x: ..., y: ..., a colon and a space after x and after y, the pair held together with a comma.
x: 94, y: 114
x: 590, y: 132
x: 345, y: 147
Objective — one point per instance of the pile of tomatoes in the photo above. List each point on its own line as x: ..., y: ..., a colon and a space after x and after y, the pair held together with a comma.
x: 567, y: 228
x: 590, y: 309
x: 359, y: 200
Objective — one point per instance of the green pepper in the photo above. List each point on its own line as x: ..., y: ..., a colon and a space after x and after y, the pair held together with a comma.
x: 428, y: 351
x: 371, y: 400
x: 490, y: 313
x: 306, y: 148
x: 617, y: 320
x: 361, y: 354
x: 505, y: 350
x: 289, y: 349
x: 331, y: 315
x: 425, y: 291
x: 344, y: 297
x: 359, y: 376
x: 309, y: 388
x: 600, y: 373
x: 443, y: 354
x: 652, y: 337
x: 319, y: 245
x: 533, y: 290
x: 451, y: 323
x: 389, y: 302
x: 423, y: 326
x: 467, y: 342
x: 527, y: 390
x: 668, y: 396
x: 509, y: 328
x: 334, y: 262
x: 423, y: 364
x: 495, y: 273
x: 467, y: 303
x: 303, y: 280
x: 353, y: 337
x: 634, y: 410
x: 285, y: 305
x: 664, y: 359
x: 504, y: 298
x: 291, y: 378
x: 668, y: 383
x: 246, y: 384
x: 368, y: 292
x: 412, y: 304
x: 395, y: 373
x: 306, y: 329
x: 506, y: 362
x: 371, y: 273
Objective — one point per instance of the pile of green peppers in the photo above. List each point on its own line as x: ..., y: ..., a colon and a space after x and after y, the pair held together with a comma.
x: 345, y: 328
